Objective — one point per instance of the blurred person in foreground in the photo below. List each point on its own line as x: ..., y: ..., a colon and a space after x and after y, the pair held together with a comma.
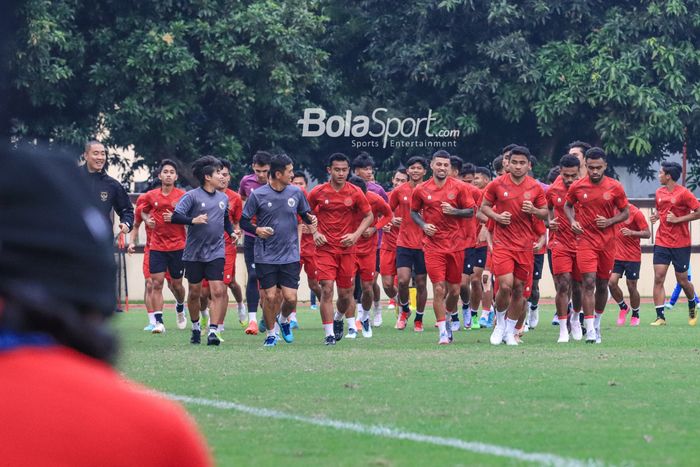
x: 61, y: 400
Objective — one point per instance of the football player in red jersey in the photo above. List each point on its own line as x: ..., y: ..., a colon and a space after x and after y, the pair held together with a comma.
x: 595, y: 204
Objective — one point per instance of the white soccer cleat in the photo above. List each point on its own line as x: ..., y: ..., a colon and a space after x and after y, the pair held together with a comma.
x: 497, y: 335
x: 591, y: 336
x: 563, y: 338
x: 181, y: 320
x: 598, y: 336
x: 444, y: 339
x: 377, y: 321
x: 159, y: 328
x: 534, y: 318
x: 510, y: 339
x: 352, y: 334
x: 454, y: 326
x: 576, y: 331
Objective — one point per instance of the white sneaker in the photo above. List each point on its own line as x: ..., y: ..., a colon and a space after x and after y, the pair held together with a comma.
x: 444, y: 339
x: 576, y: 331
x: 555, y: 320
x: 591, y: 336
x: 181, y: 320
x: 563, y: 338
x: 497, y: 335
x: 243, y: 314
x: 377, y: 321
x: 534, y: 318
x: 454, y: 326
x: 159, y: 328
x: 510, y: 339
x: 352, y: 334
x: 366, y: 328
x: 598, y: 337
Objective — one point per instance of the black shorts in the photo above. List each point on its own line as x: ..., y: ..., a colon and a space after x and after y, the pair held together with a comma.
x: 549, y: 261
x: 680, y: 257
x: 627, y: 268
x: 474, y: 258
x: 160, y: 261
x: 213, y: 270
x: 539, y: 264
x: 410, y: 258
x: 278, y: 275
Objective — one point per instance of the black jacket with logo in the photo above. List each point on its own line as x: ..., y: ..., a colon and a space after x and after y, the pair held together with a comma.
x: 109, y: 195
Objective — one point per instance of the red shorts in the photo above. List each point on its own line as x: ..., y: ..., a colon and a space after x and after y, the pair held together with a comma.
x: 230, y: 264
x: 527, y: 288
x: 309, y: 265
x: 444, y: 266
x: 366, y: 265
x: 565, y: 261
x: 335, y: 267
x: 387, y: 262
x: 600, y: 262
x: 519, y: 263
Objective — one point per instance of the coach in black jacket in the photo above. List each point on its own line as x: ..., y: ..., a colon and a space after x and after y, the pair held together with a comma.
x: 107, y: 191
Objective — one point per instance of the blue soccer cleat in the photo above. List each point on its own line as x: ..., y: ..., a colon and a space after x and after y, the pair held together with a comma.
x: 270, y: 341
x: 287, y: 335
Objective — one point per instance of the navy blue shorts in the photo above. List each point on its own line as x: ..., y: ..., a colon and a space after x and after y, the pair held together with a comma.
x: 627, y: 268
x: 539, y: 265
x: 213, y: 270
x: 680, y: 257
x: 474, y: 258
x: 160, y: 261
x: 410, y: 258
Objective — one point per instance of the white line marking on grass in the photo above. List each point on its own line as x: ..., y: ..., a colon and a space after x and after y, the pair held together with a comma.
x: 394, y: 433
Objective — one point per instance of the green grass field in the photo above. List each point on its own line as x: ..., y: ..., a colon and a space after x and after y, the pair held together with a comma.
x: 629, y: 401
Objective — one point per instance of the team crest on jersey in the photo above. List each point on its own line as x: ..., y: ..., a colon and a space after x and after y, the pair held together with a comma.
x: 269, y: 204
x: 527, y: 195
x: 405, y: 198
x: 673, y: 200
x: 430, y: 197
x: 291, y: 203
x: 103, y: 196
x: 156, y: 203
x: 559, y: 200
x: 505, y: 193
x: 347, y: 202
x: 204, y: 205
x: 585, y: 196
x: 325, y: 201
x: 222, y: 206
x: 451, y: 196
x: 606, y: 196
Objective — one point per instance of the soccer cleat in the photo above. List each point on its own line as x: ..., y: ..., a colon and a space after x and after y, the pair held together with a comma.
x: 444, y: 339
x: 315, y: 307
x: 401, y: 322
x: 196, y: 337
x: 492, y: 318
x: 622, y: 317
x: 692, y: 317
x: 510, y: 339
x: 270, y: 341
x: 366, y: 329
x: 213, y: 339
x: 252, y: 328
x: 330, y: 340
x: 448, y: 330
x: 467, y: 319
x: 261, y: 325
x: 149, y: 328
x: 576, y: 331
x: 475, y: 323
x: 352, y: 334
x: 598, y: 336
x: 591, y: 337
x: 497, y: 335
x: 634, y: 321
x: 418, y: 326
x: 338, y: 329
x: 555, y: 320
x: 358, y: 324
x: 659, y: 322
x: 534, y: 318
x: 668, y: 306
x: 287, y: 335
x: 243, y: 315
x: 484, y: 322
x: 159, y: 328
x: 181, y: 320
x: 563, y: 338
x: 454, y: 326
x: 293, y: 323
x: 377, y: 321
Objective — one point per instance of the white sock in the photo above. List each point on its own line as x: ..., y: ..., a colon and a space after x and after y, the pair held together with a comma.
x: 293, y: 316
x: 240, y: 306
x: 501, y: 318
x: 337, y: 316
x: 590, y: 326
x: 328, y: 329
x: 205, y: 312
x: 596, y: 320
x: 510, y: 326
x: 220, y: 328
x: 441, y: 326
x: 563, y: 331
x: 358, y: 307
x: 377, y: 304
x: 196, y: 326
x: 270, y: 332
x: 152, y: 318
x: 575, y: 316
x: 276, y: 328
x: 351, y: 323
x: 283, y: 319
x: 252, y: 317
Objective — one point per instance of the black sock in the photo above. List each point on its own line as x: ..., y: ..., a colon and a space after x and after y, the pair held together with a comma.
x: 635, y: 312
x: 473, y: 313
x: 179, y: 307
x: 405, y: 308
x: 465, y: 307
x: 159, y: 317
x: 660, y: 312
x: 419, y: 316
x: 622, y: 305
x: 454, y: 317
x: 213, y: 328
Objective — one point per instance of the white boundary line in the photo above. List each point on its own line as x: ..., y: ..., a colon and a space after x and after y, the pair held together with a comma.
x: 393, y: 433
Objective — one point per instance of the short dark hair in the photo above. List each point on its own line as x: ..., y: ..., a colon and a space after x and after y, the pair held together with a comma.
x: 579, y: 144
x: 359, y: 182
x: 508, y: 148
x: 169, y: 162
x: 299, y: 173
x: 596, y: 153
x: 673, y: 169
x: 339, y: 157
x: 205, y: 165
x: 483, y: 171
x: 417, y: 160
x: 567, y: 160
x: 279, y: 163
x: 362, y: 161
x: 401, y: 170
x: 262, y: 158
x: 554, y: 173
x: 441, y: 153
x: 456, y: 162
x: 467, y: 169
x: 226, y: 164
x: 497, y: 164
x: 521, y: 151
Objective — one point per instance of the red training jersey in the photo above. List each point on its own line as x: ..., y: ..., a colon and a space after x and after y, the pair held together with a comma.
x: 165, y: 236
x: 336, y: 212
x: 472, y: 225
x: 368, y: 245
x: 504, y: 195
x: 308, y: 247
x: 410, y: 235
x: 680, y: 202
x: 629, y: 248
x: 235, y: 210
x: 428, y: 197
x: 563, y: 239
x: 591, y: 200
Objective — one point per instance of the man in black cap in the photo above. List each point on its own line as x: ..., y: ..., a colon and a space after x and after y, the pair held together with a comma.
x: 108, y: 192
x: 56, y: 295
